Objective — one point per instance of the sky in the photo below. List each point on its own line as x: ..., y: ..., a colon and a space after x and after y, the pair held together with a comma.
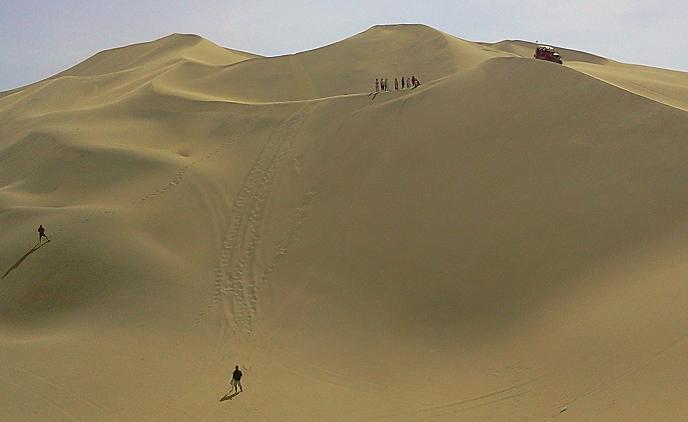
x: 39, y: 38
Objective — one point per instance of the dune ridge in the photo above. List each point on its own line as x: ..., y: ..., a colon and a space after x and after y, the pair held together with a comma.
x: 502, y: 243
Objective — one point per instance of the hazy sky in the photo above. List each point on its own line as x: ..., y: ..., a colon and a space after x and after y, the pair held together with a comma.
x: 39, y: 38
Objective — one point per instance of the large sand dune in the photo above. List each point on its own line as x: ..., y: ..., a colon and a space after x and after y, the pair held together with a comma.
x: 504, y: 242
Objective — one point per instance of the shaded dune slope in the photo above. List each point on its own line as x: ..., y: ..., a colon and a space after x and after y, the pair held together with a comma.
x: 509, y: 232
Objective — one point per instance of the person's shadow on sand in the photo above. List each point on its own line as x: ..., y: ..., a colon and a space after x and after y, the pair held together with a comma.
x: 230, y: 396
x: 36, y: 247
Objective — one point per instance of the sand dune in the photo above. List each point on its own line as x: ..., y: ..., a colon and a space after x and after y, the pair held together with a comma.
x: 502, y: 243
x: 662, y: 85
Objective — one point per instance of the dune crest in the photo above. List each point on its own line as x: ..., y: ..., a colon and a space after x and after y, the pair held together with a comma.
x: 661, y: 85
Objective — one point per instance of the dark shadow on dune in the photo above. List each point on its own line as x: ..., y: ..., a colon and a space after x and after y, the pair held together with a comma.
x: 229, y: 396
x: 36, y: 247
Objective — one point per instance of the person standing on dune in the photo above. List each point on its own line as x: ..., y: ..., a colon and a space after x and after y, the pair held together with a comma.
x: 402, y: 82
x: 236, y: 379
x: 377, y: 85
x: 41, y: 233
x: 396, y: 84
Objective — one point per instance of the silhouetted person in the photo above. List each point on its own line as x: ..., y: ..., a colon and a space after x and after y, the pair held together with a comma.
x: 402, y: 82
x: 396, y: 84
x: 377, y: 85
x: 41, y: 234
x: 236, y: 379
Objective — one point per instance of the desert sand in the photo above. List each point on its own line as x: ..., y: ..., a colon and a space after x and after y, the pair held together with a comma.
x: 506, y: 242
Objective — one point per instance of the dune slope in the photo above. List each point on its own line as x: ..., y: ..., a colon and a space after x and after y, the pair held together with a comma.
x: 502, y: 243
x: 662, y: 85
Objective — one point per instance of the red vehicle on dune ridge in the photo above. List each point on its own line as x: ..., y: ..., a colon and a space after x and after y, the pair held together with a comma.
x: 545, y: 52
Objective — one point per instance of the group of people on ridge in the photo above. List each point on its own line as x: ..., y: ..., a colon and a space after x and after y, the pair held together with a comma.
x: 406, y: 82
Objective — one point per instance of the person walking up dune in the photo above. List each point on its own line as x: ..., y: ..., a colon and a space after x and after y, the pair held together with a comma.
x: 41, y: 234
x: 236, y: 380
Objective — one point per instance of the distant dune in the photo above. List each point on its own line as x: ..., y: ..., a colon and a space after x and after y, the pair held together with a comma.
x: 504, y: 242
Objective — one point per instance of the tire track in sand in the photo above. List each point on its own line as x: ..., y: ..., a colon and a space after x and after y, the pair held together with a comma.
x: 459, y: 406
x: 237, y: 270
x: 237, y: 276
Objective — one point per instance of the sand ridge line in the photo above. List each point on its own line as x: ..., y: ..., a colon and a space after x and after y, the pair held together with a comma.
x: 638, y: 89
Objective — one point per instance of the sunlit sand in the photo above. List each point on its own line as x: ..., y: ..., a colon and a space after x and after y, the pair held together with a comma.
x: 505, y: 242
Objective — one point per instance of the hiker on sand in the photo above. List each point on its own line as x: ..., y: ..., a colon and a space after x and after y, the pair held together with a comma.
x: 386, y: 85
x: 396, y: 84
x: 408, y: 82
x: 236, y: 379
x: 41, y: 234
x: 402, y: 82
x: 377, y: 85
